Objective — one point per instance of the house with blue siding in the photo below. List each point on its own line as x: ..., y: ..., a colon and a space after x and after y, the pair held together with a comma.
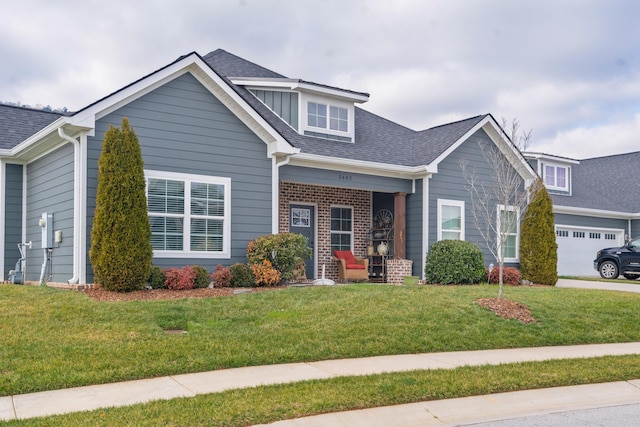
x: 596, y: 205
x: 232, y: 151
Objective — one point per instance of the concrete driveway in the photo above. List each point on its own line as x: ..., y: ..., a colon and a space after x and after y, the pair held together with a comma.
x: 632, y: 286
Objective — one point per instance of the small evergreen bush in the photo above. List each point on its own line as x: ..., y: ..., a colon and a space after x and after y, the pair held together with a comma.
x: 121, y: 253
x: 510, y: 276
x: 222, y: 277
x: 202, y: 276
x: 265, y: 274
x: 538, y: 247
x: 242, y: 276
x: 180, y: 278
x: 156, y: 278
x: 454, y: 262
x: 285, y: 252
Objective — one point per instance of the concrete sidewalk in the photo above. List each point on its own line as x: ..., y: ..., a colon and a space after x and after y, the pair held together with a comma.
x: 480, y: 409
x: 186, y: 385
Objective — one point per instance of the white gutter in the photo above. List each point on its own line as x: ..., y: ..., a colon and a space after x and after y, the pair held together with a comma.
x: 350, y: 165
x: 78, y: 192
x: 570, y: 210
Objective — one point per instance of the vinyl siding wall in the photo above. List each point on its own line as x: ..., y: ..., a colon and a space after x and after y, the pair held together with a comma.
x: 13, y: 216
x: 449, y: 183
x: 414, y: 229
x: 183, y: 128
x: 50, y: 189
x: 590, y: 221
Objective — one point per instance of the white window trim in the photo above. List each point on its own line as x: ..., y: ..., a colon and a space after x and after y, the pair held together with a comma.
x: 556, y: 166
x: 457, y: 203
x: 303, y: 121
x: 500, y: 208
x: 331, y: 232
x: 188, y: 179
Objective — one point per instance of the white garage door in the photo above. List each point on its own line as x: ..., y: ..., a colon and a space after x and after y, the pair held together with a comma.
x: 577, y: 248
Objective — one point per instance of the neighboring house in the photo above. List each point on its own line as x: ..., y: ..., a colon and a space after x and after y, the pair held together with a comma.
x: 232, y: 151
x: 596, y: 204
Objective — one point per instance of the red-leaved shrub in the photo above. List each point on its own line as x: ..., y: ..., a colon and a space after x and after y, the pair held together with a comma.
x: 221, y: 277
x: 180, y: 278
x: 510, y: 276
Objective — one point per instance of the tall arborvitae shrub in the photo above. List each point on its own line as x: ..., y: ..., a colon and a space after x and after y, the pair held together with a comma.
x: 121, y: 252
x: 538, y: 247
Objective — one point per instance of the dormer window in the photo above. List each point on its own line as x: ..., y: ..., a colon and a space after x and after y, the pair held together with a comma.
x: 317, y: 117
x: 556, y: 177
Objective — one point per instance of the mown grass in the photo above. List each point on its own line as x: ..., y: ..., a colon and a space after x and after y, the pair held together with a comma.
x: 270, y: 403
x: 51, y: 339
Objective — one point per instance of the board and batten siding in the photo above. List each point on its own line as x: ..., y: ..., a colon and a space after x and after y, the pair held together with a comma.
x: 414, y: 229
x: 183, y: 128
x: 50, y: 189
x: 449, y: 183
x: 13, y: 180
x: 284, y: 104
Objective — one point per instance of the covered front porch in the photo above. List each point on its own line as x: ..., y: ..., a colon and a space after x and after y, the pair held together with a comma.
x: 339, y: 218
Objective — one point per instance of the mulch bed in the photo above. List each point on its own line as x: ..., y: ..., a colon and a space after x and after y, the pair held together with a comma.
x: 508, y: 309
x: 100, y: 294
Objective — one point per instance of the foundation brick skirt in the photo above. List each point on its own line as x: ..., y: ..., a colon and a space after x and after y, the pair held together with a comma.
x: 397, y: 269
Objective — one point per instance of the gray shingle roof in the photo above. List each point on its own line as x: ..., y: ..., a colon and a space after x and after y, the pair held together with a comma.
x: 376, y: 139
x: 605, y: 183
x: 19, y: 123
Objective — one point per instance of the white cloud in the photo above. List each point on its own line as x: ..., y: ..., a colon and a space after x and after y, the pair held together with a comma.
x: 598, y: 141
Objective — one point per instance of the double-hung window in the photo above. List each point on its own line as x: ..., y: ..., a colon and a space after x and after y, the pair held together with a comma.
x: 556, y: 177
x: 189, y: 215
x: 508, y: 232
x: 341, y: 229
x: 450, y: 219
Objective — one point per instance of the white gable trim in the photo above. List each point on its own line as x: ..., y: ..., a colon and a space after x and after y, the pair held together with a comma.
x: 213, y: 82
x: 497, y: 135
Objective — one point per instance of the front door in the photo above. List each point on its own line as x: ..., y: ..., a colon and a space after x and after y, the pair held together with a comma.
x: 302, y: 221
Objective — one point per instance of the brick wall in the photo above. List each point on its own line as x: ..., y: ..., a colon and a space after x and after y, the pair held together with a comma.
x: 324, y: 198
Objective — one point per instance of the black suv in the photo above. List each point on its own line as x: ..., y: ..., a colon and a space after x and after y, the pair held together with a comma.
x: 611, y: 262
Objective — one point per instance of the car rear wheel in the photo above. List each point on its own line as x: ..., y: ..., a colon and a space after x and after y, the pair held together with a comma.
x: 608, y: 270
x: 631, y: 276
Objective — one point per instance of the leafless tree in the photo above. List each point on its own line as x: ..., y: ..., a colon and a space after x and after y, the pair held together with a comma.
x: 498, y: 203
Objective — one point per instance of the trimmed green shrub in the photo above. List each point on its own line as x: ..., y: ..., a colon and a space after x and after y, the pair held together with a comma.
x: 202, y: 276
x: 121, y: 253
x: 156, y: 278
x: 222, y: 277
x: 454, y: 262
x: 538, y: 247
x: 510, y: 276
x: 242, y: 276
x: 285, y: 252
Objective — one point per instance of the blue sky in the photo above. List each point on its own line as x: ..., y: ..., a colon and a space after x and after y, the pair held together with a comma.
x: 567, y: 70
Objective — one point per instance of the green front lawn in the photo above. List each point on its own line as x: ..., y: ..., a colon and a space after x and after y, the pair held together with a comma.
x: 52, y: 339
x: 266, y: 404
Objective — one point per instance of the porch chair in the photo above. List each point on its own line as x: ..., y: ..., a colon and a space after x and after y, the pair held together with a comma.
x: 351, y: 267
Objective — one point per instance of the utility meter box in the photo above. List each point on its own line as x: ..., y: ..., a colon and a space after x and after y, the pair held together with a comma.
x: 46, y: 223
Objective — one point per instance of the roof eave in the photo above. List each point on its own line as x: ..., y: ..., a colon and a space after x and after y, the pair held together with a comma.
x: 572, y: 210
x: 360, y: 166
